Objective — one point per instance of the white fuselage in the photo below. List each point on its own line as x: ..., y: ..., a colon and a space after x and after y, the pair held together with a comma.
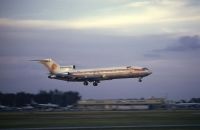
x: 69, y: 73
x: 105, y: 74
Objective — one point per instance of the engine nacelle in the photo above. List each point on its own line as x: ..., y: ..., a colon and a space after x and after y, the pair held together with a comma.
x: 68, y: 67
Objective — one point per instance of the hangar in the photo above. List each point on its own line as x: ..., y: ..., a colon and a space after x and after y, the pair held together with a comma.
x: 122, y: 104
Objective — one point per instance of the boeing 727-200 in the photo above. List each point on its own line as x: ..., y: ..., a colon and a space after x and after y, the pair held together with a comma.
x: 69, y: 73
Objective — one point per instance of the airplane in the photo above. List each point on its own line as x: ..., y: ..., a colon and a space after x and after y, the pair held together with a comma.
x: 70, y: 73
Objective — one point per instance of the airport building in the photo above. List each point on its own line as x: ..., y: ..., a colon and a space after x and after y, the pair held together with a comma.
x: 122, y: 104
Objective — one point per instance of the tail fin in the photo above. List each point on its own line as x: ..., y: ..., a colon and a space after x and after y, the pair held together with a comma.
x: 51, y: 65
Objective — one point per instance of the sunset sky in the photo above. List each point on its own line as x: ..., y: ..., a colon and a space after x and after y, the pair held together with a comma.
x: 163, y: 35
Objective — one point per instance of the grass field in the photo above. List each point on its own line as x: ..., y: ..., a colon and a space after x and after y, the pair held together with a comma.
x: 101, y: 118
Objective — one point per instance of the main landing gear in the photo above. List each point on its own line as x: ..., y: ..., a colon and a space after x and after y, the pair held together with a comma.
x: 95, y: 83
x: 85, y: 83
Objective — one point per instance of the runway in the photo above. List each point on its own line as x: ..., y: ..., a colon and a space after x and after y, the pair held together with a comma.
x: 109, y: 127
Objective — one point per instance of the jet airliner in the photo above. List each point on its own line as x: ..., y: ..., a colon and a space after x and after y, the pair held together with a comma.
x: 70, y: 73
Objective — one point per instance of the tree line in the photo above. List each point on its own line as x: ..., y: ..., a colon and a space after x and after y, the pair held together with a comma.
x: 43, y: 97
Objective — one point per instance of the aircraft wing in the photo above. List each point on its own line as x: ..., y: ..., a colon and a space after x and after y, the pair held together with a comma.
x: 72, y: 77
x: 61, y: 75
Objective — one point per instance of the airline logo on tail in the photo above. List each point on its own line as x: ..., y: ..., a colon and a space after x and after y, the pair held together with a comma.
x: 53, y: 67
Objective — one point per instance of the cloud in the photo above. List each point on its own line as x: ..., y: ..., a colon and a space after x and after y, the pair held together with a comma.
x: 138, y: 4
x: 186, y: 43
x: 184, y: 47
x: 95, y: 22
x: 138, y: 17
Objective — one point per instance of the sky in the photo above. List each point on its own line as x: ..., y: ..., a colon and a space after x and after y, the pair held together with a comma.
x: 162, y: 35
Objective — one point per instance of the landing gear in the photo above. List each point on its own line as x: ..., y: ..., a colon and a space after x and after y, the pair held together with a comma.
x: 140, y: 80
x: 95, y: 83
x: 85, y: 83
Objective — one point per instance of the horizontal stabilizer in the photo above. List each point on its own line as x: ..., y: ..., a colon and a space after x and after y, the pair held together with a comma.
x: 43, y: 60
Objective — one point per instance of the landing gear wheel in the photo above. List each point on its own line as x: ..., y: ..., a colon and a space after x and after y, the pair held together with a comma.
x: 95, y: 83
x: 85, y: 83
x: 140, y: 80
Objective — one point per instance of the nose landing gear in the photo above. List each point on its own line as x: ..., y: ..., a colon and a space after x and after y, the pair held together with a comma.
x: 140, y: 79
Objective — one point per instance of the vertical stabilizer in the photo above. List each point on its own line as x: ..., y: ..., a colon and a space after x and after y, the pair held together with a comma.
x: 51, y: 65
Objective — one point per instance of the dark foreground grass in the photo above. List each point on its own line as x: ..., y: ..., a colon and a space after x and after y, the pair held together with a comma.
x: 101, y: 118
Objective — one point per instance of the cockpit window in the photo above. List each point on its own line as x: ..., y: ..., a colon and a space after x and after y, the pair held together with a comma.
x: 138, y: 69
x: 145, y: 69
x: 141, y: 69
